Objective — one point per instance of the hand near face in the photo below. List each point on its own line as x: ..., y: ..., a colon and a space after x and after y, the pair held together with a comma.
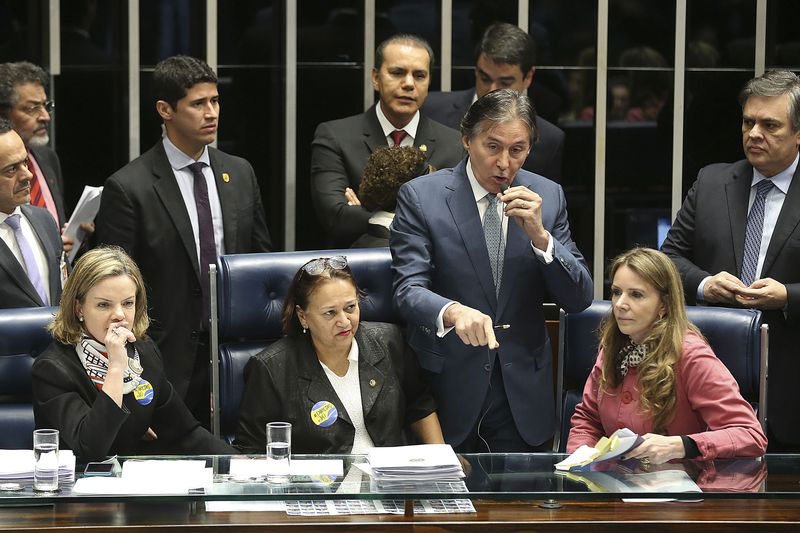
x: 722, y: 288
x: 763, y: 294
x: 117, y: 336
x: 658, y: 449
x: 472, y: 327
x: 525, y: 207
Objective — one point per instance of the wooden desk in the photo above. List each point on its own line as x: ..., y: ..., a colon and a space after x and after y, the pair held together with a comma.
x: 708, y: 515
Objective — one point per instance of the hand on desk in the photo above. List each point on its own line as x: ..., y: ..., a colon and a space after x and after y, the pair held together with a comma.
x: 658, y: 449
x: 472, y: 326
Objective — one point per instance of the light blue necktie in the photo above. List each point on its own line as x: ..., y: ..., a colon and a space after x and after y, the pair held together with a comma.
x: 28, y: 258
x: 753, y: 232
x: 493, y: 231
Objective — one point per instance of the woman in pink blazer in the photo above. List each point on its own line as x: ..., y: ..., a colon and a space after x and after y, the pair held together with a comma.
x: 656, y: 374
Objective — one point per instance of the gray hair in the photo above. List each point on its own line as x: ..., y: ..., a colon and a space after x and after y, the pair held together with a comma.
x: 502, y: 105
x: 14, y: 74
x: 776, y: 83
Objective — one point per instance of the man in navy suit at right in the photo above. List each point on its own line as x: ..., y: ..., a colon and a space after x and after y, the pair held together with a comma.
x: 505, y: 59
x: 480, y: 246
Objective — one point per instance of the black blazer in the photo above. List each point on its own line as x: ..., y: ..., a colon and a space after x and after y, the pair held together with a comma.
x: 707, y: 237
x: 546, y: 154
x: 48, y: 161
x: 339, y: 153
x: 142, y: 211
x: 16, y: 289
x: 286, y: 380
x: 377, y: 236
x: 91, y: 424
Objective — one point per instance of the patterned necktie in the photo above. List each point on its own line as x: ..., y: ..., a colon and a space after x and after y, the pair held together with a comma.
x: 753, y: 231
x: 37, y: 197
x: 398, y: 136
x: 28, y: 258
x: 493, y: 231
x: 208, y: 246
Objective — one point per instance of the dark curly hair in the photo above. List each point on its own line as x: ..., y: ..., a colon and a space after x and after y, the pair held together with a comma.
x: 386, y: 170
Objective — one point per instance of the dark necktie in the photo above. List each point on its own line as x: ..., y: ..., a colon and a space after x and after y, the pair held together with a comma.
x: 493, y: 231
x: 753, y: 232
x: 29, y: 259
x: 208, y: 246
x: 398, y: 136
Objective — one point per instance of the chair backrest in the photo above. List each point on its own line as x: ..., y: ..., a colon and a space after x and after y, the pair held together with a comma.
x: 23, y: 336
x: 737, y: 336
x: 249, y: 291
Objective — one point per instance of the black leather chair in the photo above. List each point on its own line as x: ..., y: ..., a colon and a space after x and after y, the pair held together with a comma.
x: 23, y: 336
x: 247, y: 301
x: 737, y: 336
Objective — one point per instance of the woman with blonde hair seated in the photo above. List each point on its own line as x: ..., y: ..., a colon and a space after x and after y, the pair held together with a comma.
x: 656, y: 375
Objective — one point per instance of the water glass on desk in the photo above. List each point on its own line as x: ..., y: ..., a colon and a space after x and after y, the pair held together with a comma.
x: 45, y: 457
x: 279, y: 451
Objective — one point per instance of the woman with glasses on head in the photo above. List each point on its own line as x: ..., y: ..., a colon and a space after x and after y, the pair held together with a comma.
x: 656, y: 374
x: 101, y: 383
x: 344, y: 385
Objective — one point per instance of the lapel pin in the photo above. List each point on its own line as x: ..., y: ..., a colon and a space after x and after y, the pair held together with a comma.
x: 372, y: 383
x: 225, y: 177
x: 423, y: 147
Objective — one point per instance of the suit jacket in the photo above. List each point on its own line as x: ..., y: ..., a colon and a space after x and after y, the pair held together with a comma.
x: 707, y: 237
x: 708, y: 407
x: 338, y: 154
x: 16, y: 289
x: 286, y: 380
x: 377, y: 236
x: 51, y: 168
x: 546, y: 154
x: 142, y: 211
x: 93, y: 426
x: 439, y: 255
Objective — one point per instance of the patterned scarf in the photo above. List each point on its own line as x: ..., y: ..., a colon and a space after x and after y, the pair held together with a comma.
x: 630, y: 356
x: 94, y: 357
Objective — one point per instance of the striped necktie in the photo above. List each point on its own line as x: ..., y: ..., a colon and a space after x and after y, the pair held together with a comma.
x: 754, y: 231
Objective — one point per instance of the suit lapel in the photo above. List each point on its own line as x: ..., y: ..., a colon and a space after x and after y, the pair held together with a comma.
x: 464, y: 210
x: 166, y: 187
x: 370, y: 354
x: 786, y: 224
x: 737, y: 192
x: 226, y: 191
x: 10, y: 264
x: 318, y: 387
x: 52, y: 256
x: 425, y: 137
x: 371, y: 131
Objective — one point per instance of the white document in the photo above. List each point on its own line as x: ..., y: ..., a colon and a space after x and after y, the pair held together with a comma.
x: 85, y: 211
x: 162, y: 477
x: 621, y: 441
x: 423, y: 461
x: 242, y: 469
x: 18, y: 464
x: 230, y: 506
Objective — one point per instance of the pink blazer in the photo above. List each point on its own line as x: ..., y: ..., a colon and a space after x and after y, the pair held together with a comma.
x: 709, y: 408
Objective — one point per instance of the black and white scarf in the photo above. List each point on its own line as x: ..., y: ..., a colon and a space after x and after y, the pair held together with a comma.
x: 94, y: 357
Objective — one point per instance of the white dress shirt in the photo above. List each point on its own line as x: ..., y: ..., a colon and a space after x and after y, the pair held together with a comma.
x: 7, y: 234
x: 388, y: 128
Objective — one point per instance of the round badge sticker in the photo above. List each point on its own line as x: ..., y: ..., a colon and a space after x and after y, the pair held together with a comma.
x: 143, y: 392
x: 324, y: 414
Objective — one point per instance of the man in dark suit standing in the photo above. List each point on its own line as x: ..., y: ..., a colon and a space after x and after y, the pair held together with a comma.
x: 735, y: 239
x: 475, y: 248
x: 175, y: 209
x: 30, y: 247
x: 341, y: 147
x: 505, y: 59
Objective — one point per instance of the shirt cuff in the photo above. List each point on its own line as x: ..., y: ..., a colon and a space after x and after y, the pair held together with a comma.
x: 441, y: 331
x: 545, y: 256
x: 690, y: 449
x: 700, y: 293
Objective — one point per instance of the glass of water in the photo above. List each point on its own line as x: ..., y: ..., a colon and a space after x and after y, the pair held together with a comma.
x: 45, y: 456
x: 279, y: 451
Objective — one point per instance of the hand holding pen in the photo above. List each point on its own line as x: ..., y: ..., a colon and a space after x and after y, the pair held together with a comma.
x: 525, y: 207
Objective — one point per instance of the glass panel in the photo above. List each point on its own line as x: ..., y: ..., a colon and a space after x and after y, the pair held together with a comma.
x: 23, y: 23
x: 171, y: 27
x: 329, y: 86
x: 252, y: 97
x: 91, y: 122
x: 721, y: 33
x: 641, y: 33
x: 783, y: 41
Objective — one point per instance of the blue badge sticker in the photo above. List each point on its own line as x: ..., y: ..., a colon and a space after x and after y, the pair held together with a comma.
x: 143, y: 392
x: 324, y: 414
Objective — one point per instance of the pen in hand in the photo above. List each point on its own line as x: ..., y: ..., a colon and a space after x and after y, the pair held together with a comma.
x: 502, y: 326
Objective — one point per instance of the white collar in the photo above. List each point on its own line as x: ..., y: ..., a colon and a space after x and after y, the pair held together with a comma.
x: 17, y: 211
x: 387, y: 127
x: 477, y: 189
x: 781, y: 180
x: 179, y: 160
x: 382, y: 218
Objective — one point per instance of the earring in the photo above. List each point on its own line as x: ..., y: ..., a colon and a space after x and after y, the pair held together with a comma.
x: 304, y: 330
x: 80, y: 318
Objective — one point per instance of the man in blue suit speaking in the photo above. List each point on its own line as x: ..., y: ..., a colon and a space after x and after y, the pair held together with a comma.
x: 460, y: 263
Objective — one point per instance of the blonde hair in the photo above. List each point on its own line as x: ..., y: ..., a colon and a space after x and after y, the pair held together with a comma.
x: 664, y: 342
x: 92, y: 268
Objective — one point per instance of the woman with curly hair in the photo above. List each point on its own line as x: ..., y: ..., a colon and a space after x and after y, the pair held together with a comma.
x: 656, y: 375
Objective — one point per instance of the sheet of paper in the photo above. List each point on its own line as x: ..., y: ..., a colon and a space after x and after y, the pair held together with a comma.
x: 85, y: 211
x: 18, y: 464
x: 227, y: 506
x: 369, y: 507
x: 256, y: 468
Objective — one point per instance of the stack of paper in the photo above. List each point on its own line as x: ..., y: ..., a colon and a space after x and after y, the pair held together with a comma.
x: 153, y: 477
x: 18, y: 464
x: 606, y: 448
x: 424, y: 462
x: 85, y: 211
